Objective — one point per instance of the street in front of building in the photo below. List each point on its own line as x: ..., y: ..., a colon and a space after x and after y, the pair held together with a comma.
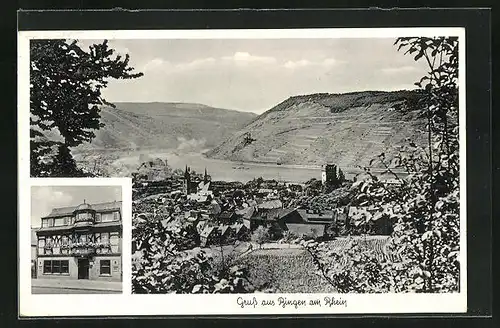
x: 55, y: 286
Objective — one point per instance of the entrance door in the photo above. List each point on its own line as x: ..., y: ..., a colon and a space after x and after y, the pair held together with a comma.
x: 83, y: 269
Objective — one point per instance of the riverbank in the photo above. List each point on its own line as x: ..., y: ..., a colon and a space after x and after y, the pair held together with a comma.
x: 125, y: 162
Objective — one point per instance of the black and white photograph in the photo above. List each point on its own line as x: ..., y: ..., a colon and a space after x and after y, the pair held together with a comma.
x: 324, y: 164
x: 76, y: 239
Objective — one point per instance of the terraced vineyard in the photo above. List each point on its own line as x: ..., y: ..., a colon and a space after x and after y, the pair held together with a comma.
x: 348, y: 130
x: 285, y: 271
x: 293, y: 270
x: 379, y: 244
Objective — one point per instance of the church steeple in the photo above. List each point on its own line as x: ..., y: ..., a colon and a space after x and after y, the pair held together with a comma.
x: 205, y: 177
x: 187, y: 181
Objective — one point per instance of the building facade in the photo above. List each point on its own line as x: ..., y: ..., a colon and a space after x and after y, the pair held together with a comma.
x: 82, y: 242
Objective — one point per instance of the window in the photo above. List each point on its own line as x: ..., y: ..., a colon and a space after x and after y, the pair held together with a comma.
x: 56, y: 267
x: 107, y: 217
x: 82, y: 238
x: 58, y: 222
x: 105, y: 237
x: 105, y: 267
x: 98, y: 217
x: 47, y: 223
x: 48, y: 246
x: 41, y: 246
x: 65, y: 240
x: 115, y: 216
x: 82, y: 216
x: 47, y: 266
x: 64, y: 266
x: 115, y: 243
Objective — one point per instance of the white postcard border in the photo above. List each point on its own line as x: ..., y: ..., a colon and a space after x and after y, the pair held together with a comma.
x: 128, y: 304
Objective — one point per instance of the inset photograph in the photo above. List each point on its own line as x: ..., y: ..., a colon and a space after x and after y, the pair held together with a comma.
x: 76, y: 239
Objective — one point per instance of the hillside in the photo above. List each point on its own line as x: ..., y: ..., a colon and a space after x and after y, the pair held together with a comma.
x: 347, y: 129
x: 137, y: 126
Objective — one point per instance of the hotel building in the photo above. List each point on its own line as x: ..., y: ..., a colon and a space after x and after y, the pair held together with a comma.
x: 81, y: 242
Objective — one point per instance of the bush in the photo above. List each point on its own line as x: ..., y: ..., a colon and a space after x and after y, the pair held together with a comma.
x: 165, y: 261
x: 260, y: 235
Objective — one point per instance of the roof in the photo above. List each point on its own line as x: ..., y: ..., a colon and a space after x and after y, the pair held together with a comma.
x: 271, y: 204
x: 246, y: 212
x: 84, y: 207
x: 59, y: 228
x: 237, y: 227
x: 316, y: 230
x: 207, y: 231
x: 323, y: 216
x: 226, y: 215
x: 100, y: 207
x: 223, y: 229
x: 200, y: 226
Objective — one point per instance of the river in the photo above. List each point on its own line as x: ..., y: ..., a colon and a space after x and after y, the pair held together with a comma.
x: 228, y: 170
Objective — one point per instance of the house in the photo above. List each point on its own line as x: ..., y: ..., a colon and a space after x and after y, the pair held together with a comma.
x: 304, y: 222
x: 270, y: 204
x: 200, y: 226
x: 81, y: 242
x: 241, y: 231
x: 226, y: 234
x: 264, y: 192
x: 269, y: 218
x: 209, y: 236
x: 307, y: 229
x: 227, y: 216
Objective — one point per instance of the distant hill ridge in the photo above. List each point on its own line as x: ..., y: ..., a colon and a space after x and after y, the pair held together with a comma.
x: 347, y: 129
x: 156, y: 125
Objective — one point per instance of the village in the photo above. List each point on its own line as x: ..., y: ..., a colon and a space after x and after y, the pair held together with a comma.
x: 223, y: 213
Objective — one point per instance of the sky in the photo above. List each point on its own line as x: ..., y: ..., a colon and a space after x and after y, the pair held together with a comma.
x: 45, y: 198
x: 253, y: 75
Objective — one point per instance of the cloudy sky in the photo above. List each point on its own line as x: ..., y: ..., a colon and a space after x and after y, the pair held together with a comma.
x: 44, y: 199
x: 256, y: 74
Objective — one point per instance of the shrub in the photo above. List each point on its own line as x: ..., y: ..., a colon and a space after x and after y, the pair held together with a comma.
x: 260, y: 235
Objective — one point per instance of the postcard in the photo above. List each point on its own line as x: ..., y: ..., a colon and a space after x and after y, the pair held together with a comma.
x: 218, y: 172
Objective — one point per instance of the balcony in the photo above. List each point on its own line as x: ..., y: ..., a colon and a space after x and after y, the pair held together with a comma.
x: 82, y: 249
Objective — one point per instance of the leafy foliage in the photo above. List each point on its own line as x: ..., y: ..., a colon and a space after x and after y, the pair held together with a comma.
x: 167, y: 259
x: 65, y: 94
x: 260, y: 235
x: 425, y: 206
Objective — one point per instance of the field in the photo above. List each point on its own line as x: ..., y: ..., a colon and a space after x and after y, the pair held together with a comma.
x: 376, y: 243
x: 292, y: 270
x: 285, y: 270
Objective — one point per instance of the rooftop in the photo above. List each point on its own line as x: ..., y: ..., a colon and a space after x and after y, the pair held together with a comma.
x: 100, y: 207
x: 315, y: 216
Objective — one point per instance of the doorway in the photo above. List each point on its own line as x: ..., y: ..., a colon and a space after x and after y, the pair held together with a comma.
x: 83, y: 269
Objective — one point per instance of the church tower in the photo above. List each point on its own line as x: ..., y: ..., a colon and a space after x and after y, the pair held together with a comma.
x: 205, y: 177
x: 187, y: 181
